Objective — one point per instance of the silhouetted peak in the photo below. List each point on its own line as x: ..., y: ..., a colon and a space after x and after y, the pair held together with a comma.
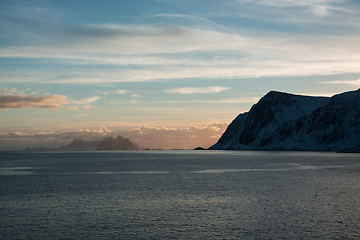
x: 120, y: 138
x: 108, y: 139
x: 78, y: 142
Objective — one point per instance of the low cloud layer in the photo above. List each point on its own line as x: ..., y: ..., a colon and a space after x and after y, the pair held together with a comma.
x: 85, y: 134
x: 348, y: 82
x: 87, y: 100
x: 145, y: 136
x: 183, y: 138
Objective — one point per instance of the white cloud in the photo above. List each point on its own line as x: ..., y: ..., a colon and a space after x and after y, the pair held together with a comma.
x: 102, y: 92
x: 167, y: 137
x: 86, y: 100
x: 317, y: 7
x: 261, y: 57
x: 349, y: 82
x: 83, y: 115
x: 147, y: 46
x: 122, y: 91
x: 203, y: 22
x: 235, y: 100
x: 135, y: 95
x: 87, y: 106
x: 195, y: 90
x: 228, y: 100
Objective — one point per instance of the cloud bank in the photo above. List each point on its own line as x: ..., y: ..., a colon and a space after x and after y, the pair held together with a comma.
x: 348, y: 82
x: 183, y: 138
x: 145, y: 136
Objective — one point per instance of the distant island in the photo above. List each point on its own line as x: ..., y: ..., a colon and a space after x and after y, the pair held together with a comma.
x: 109, y: 143
x: 283, y: 121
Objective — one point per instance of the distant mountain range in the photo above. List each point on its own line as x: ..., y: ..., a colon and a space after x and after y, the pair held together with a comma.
x: 283, y: 121
x: 109, y: 143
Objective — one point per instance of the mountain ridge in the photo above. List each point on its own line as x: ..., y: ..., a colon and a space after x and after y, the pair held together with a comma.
x: 284, y: 121
x: 78, y: 144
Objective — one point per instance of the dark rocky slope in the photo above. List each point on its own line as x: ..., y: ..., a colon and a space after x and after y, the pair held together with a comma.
x: 119, y: 143
x: 78, y: 144
x: 282, y: 121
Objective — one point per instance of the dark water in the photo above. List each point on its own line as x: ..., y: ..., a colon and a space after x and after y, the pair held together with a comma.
x: 180, y: 195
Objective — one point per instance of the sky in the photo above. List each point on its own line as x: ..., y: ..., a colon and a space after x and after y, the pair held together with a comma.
x: 163, y: 73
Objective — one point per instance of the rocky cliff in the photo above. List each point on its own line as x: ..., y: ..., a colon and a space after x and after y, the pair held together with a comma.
x: 282, y: 121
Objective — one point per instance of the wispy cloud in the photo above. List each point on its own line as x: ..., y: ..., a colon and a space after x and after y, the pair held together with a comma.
x: 320, y: 8
x: 129, y: 39
x: 72, y: 108
x: 235, y: 100
x: 195, y: 90
x: 302, y: 56
x: 201, y: 21
x: 164, y: 51
x: 219, y: 101
x: 83, y: 115
x: 102, y: 92
x: 86, y: 100
x: 87, y: 106
x: 122, y: 91
x: 228, y: 100
x: 349, y: 82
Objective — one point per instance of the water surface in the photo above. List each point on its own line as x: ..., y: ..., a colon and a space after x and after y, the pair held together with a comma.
x: 179, y: 194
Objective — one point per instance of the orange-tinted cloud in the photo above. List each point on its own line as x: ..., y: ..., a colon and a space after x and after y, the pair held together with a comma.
x: 87, y: 106
x: 148, y: 137
x: 12, y: 101
x: 85, y: 134
x: 72, y: 108
x: 169, y: 138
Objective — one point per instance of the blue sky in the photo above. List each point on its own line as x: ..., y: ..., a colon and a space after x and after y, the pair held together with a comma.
x: 164, y: 73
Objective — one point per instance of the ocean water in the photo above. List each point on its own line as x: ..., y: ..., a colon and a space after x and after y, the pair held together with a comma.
x: 179, y: 195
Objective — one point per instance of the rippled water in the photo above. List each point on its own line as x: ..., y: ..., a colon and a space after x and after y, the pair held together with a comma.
x: 179, y: 194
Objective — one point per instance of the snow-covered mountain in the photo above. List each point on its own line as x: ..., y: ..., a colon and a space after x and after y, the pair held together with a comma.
x: 119, y: 143
x: 283, y: 121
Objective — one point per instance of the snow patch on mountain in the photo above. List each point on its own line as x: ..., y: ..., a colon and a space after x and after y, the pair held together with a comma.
x: 283, y: 121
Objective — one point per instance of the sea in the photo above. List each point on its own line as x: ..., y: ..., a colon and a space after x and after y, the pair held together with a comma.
x: 179, y: 194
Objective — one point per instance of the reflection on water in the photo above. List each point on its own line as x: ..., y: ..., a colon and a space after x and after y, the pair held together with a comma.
x: 179, y: 194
